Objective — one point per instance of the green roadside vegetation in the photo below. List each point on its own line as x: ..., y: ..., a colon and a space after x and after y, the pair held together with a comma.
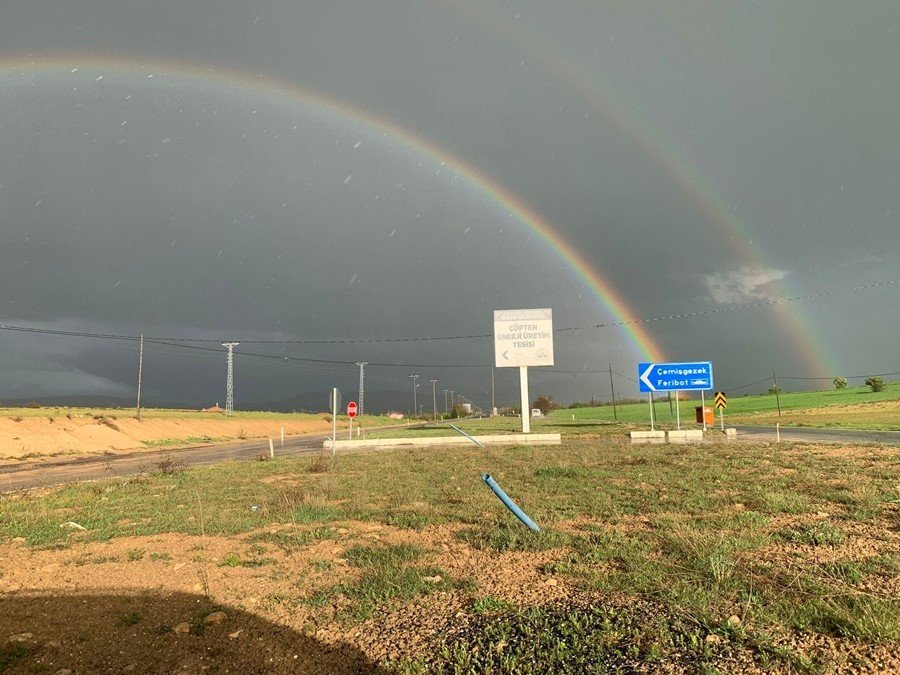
x: 760, y: 409
x: 747, y: 543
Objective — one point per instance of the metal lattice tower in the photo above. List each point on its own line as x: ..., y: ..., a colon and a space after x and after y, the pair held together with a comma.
x: 229, y: 379
x: 362, y: 385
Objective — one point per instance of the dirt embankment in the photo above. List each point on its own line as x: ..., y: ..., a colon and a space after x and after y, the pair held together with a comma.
x: 31, y: 438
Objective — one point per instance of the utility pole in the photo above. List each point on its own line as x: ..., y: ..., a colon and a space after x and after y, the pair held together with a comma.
x: 140, y: 370
x: 434, y: 399
x: 446, y: 408
x: 612, y: 390
x: 452, y: 400
x: 362, y: 385
x: 777, y: 397
x: 414, y: 377
x: 229, y: 379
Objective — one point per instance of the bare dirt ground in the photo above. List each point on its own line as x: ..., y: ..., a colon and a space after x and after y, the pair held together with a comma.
x: 876, y: 415
x: 30, y: 438
x: 182, y: 603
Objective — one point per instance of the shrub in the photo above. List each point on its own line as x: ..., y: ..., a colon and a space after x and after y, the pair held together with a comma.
x: 774, y: 390
x: 875, y: 383
x: 545, y: 404
x: 840, y: 382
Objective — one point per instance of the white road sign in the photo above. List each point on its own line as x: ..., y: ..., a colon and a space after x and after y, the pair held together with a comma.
x: 523, y: 337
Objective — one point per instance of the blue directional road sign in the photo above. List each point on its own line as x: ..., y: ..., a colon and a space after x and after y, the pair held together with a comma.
x: 697, y: 376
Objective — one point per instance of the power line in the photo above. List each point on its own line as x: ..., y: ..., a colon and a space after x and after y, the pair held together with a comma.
x: 435, y: 338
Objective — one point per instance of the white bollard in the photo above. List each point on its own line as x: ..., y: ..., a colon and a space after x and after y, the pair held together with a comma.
x: 271, y: 449
x: 282, y: 436
x: 777, y: 432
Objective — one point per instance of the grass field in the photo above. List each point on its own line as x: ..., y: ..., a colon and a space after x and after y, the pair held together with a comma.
x: 858, y: 405
x: 713, y: 559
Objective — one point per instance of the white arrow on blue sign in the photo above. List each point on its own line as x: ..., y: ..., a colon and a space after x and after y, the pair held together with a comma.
x: 695, y: 376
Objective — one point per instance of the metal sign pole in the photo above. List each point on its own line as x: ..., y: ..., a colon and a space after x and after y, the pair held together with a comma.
x: 677, y: 413
x: 722, y: 418
x: 703, y: 408
x: 651, y: 412
x: 523, y: 399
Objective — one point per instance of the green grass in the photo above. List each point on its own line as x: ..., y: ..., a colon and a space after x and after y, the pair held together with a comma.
x: 11, y: 652
x: 690, y: 527
x: 738, y: 406
x: 388, y: 576
x: 595, y: 638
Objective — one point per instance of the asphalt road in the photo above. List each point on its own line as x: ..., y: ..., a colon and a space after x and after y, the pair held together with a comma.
x: 31, y: 475
x: 811, y: 435
x: 43, y: 474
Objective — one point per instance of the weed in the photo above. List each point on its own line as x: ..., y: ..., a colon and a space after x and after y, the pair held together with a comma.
x: 135, y: 554
x: 509, y: 537
x: 234, y: 560
x: 409, y: 520
x: 131, y: 618
x: 108, y: 421
x: 490, y: 604
x: 12, y: 652
x: 168, y: 466
x: 231, y: 560
x: 322, y: 463
x: 294, y: 539
x: 160, y: 556
x: 816, y: 534
x: 381, y: 556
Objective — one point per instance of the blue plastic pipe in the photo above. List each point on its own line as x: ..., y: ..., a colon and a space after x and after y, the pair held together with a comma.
x: 509, y: 503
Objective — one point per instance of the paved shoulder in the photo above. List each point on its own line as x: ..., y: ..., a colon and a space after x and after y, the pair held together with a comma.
x: 810, y: 434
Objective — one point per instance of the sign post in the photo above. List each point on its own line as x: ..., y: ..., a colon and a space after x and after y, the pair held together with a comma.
x: 721, y: 404
x: 351, y: 413
x: 334, y: 402
x: 677, y: 377
x: 522, y: 338
x: 703, y: 408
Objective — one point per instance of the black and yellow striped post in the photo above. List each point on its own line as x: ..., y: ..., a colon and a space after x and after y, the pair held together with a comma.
x: 721, y: 404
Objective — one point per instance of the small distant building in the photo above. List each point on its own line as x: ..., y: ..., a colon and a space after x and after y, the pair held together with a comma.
x: 214, y: 409
x: 395, y: 415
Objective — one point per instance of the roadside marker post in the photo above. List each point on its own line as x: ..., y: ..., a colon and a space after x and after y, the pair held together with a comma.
x: 271, y: 450
x: 523, y: 338
x: 721, y: 404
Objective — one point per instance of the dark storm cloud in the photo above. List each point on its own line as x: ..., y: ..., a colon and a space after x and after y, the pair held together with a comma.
x: 191, y: 209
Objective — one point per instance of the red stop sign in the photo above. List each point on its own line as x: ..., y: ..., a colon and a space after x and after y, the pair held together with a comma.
x: 351, y: 409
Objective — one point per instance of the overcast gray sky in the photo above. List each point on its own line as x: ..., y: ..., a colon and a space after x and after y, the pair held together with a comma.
x: 162, y: 172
